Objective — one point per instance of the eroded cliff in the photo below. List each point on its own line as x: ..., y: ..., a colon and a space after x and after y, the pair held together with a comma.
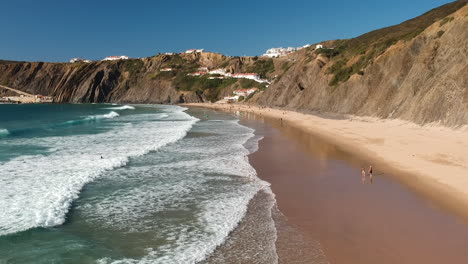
x: 417, y: 71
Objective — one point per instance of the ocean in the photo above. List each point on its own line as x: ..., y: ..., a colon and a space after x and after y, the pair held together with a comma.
x: 102, y: 183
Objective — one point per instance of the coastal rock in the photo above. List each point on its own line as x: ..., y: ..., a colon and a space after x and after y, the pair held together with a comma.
x: 415, y: 71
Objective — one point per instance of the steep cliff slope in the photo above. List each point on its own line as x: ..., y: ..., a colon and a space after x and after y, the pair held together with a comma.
x: 420, y: 74
x: 417, y: 70
x: 135, y: 80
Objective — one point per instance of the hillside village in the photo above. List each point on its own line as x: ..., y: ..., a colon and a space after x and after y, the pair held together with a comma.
x: 221, y: 73
x: 204, y: 73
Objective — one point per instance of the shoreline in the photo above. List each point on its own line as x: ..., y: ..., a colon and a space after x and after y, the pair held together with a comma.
x: 336, y: 218
x: 418, y: 157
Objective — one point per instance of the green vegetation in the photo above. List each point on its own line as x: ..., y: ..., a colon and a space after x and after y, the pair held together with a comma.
x: 247, y: 83
x: 212, y: 88
x: 262, y: 67
x: 241, y: 98
x: 446, y: 20
x: 440, y: 33
x: 286, y: 65
x: 151, y: 76
x: 133, y: 66
x: 371, y: 45
x: 224, y: 64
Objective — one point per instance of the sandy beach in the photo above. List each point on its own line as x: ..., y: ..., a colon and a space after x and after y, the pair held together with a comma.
x: 429, y: 159
x: 316, y: 180
x: 318, y: 189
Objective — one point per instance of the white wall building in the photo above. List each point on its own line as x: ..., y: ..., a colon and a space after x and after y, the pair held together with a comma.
x: 251, y: 76
x: 219, y: 71
x: 166, y: 69
x: 319, y: 46
x: 278, y: 52
x: 75, y: 60
x: 245, y: 92
x: 194, y: 51
x: 196, y: 73
x: 111, y: 58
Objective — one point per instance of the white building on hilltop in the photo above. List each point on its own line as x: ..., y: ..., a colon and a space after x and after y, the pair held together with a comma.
x: 75, y: 60
x: 194, y: 51
x: 111, y: 58
x: 278, y: 52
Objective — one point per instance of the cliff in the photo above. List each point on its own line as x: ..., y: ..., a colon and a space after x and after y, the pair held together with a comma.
x: 410, y: 71
x: 416, y: 71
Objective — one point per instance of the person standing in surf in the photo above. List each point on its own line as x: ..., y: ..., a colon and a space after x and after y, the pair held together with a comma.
x: 363, y: 174
x: 370, y: 173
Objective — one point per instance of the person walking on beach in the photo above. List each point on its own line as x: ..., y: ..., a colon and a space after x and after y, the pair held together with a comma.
x: 363, y: 174
x: 370, y: 173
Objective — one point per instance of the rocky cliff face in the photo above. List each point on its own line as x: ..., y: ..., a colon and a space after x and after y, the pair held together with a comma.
x: 423, y: 80
x: 117, y: 81
x: 416, y: 71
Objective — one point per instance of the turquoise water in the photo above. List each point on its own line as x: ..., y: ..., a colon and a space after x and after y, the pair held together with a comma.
x: 120, y: 184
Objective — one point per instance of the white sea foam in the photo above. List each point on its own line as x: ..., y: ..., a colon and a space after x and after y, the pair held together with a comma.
x: 4, y: 132
x: 211, y: 174
x: 109, y: 115
x: 37, y: 190
x: 124, y: 107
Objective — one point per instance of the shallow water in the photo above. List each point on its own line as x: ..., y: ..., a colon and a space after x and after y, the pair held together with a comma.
x: 120, y: 184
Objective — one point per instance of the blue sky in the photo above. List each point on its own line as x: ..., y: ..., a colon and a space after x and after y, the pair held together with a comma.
x: 57, y: 30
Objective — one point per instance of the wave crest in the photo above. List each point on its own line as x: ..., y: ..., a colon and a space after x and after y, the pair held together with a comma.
x: 4, y: 132
x: 124, y: 107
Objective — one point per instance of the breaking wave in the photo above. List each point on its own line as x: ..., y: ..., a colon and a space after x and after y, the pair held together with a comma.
x: 4, y: 132
x: 41, y: 197
x: 124, y: 107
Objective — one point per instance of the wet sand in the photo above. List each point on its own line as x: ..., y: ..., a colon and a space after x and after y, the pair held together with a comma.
x: 318, y: 188
x: 430, y: 159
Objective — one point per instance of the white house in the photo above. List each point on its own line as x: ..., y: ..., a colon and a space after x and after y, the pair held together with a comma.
x: 110, y: 58
x: 274, y: 52
x: 251, y: 76
x: 231, y: 99
x: 219, y: 71
x: 194, y: 51
x: 319, y: 46
x: 166, y: 69
x: 74, y: 60
x: 196, y: 73
x: 245, y: 92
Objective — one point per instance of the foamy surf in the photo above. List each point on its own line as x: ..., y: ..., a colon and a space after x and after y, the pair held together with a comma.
x: 220, y: 209
x: 124, y: 107
x: 4, y: 132
x: 109, y: 115
x: 39, y: 189
x: 154, y: 192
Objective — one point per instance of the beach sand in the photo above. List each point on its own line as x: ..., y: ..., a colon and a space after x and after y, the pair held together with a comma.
x: 431, y: 159
x: 314, y: 163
